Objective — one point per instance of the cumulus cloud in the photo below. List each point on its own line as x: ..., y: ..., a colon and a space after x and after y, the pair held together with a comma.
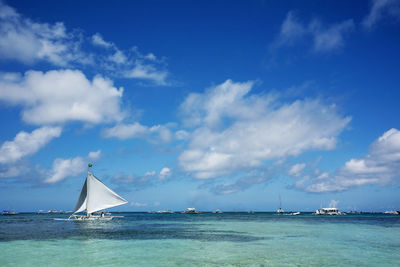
x: 136, y: 182
x: 323, y: 38
x: 25, y: 144
x: 155, y: 134
x: 296, y: 169
x: 164, y: 173
x: 95, y: 155
x: 380, y: 166
x: 64, y: 168
x: 181, y: 135
x: 234, y: 130
x: 28, y: 41
x: 147, y: 72
x: 132, y: 63
x: 98, y: 40
x: 381, y: 9
x: 250, y: 179
x: 60, y: 96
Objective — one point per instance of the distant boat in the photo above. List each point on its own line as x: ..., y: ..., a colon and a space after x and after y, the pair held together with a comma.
x: 280, y: 210
x: 217, y: 211
x: 392, y: 212
x: 95, y: 196
x: 328, y: 211
x: 191, y: 211
x: 165, y: 211
x: 9, y: 212
x: 52, y: 211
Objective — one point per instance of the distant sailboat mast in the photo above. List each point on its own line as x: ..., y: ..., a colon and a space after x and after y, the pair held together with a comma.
x: 280, y: 210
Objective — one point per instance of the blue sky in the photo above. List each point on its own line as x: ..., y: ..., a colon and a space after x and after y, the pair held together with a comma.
x: 216, y: 105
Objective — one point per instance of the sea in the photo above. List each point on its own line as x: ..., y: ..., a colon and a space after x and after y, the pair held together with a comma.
x: 207, y: 239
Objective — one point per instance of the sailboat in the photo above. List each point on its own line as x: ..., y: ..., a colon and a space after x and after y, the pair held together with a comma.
x: 280, y: 210
x: 95, y: 196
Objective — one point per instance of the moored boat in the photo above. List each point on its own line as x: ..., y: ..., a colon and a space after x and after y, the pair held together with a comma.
x: 9, y: 212
x: 191, y: 211
x: 328, y: 211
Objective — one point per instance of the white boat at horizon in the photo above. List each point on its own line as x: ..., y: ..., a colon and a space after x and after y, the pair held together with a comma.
x: 9, y: 212
x: 328, y: 211
x: 280, y: 210
x: 191, y: 211
x: 165, y: 211
x: 95, y: 196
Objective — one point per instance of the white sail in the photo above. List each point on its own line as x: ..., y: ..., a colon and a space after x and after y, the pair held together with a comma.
x: 97, y: 196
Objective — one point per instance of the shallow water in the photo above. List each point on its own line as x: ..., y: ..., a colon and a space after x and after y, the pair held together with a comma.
x: 228, y: 239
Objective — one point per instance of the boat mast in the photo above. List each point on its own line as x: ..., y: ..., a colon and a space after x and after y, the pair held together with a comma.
x: 280, y: 202
x: 88, y: 170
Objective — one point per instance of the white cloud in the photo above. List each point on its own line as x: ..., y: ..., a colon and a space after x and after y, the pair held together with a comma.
x: 380, y: 166
x: 25, y: 144
x: 324, y: 38
x: 95, y: 155
x: 381, y: 9
x: 251, y: 178
x: 60, y: 96
x: 236, y: 131
x: 181, y: 135
x: 28, y: 41
x: 118, y: 57
x: 156, y: 134
x: 150, y: 173
x: 136, y: 182
x: 64, y: 168
x: 138, y: 204
x: 147, y: 72
x: 164, y: 173
x: 297, y: 169
x: 331, y: 38
x: 98, y: 40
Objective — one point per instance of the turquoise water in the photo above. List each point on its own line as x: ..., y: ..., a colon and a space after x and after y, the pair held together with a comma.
x: 228, y: 239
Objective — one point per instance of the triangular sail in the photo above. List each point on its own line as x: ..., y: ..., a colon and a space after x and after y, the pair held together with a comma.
x: 81, y: 204
x: 97, y: 196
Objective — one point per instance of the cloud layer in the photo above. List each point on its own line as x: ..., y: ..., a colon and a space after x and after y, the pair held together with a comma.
x: 235, y: 130
x: 60, y: 96
x: 25, y: 144
x: 29, y: 42
x: 381, y: 9
x: 154, y: 134
x: 321, y: 37
x: 380, y: 166
x: 64, y: 168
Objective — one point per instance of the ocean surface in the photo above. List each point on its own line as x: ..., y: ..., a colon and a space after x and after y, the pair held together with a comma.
x: 227, y: 239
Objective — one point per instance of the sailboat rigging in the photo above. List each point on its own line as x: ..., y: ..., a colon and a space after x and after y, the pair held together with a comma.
x: 280, y: 210
x: 95, y: 196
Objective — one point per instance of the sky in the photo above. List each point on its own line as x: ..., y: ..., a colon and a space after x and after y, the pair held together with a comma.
x: 225, y: 105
